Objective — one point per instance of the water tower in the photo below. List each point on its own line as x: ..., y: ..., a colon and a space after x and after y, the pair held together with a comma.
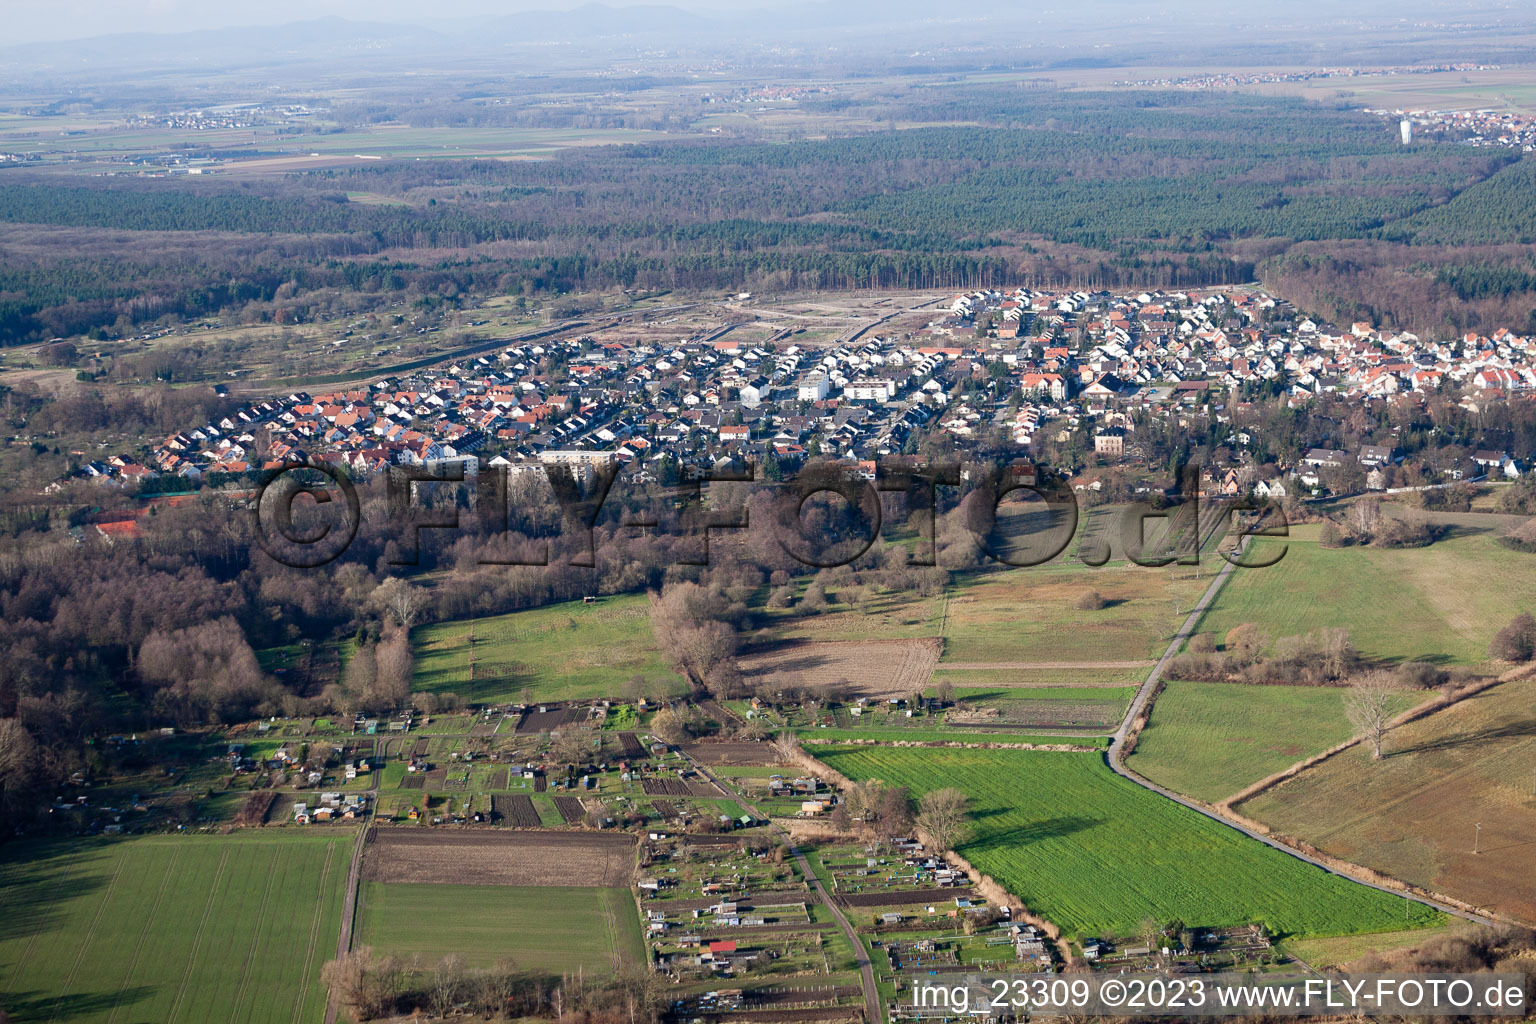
x: 1405, y: 127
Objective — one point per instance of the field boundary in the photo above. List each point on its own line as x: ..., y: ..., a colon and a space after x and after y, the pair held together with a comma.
x: 1413, y: 714
x: 1047, y: 666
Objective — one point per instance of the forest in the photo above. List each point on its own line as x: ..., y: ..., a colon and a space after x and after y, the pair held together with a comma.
x: 1026, y: 186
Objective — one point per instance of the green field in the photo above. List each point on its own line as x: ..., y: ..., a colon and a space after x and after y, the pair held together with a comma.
x: 561, y: 652
x: 932, y: 734
x: 1441, y: 604
x: 172, y: 928
x: 1210, y: 740
x: 554, y: 929
x: 1098, y: 854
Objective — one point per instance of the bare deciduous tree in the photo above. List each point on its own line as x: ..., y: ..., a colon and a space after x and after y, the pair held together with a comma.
x: 667, y: 726
x: 572, y: 744
x: 943, y: 816
x: 787, y: 746
x: 1369, y: 703
x: 402, y: 599
x: 696, y: 642
x: 366, y: 984
x: 1365, y: 516
x: 447, y: 982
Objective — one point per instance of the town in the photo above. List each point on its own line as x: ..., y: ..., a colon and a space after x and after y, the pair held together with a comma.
x: 1084, y: 381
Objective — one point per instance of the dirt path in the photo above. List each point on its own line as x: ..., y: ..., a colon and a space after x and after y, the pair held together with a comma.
x: 872, y: 1013
x: 1051, y: 666
x: 349, y: 904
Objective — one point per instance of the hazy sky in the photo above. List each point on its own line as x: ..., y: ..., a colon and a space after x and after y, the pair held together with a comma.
x: 27, y: 21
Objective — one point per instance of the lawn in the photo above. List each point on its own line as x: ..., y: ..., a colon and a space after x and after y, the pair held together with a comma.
x: 1210, y: 740
x: 556, y: 929
x: 172, y: 928
x: 564, y: 651
x: 1442, y: 603
x: 1414, y: 814
x: 1098, y: 854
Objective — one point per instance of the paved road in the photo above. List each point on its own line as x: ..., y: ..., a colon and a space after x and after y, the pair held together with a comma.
x: 872, y: 1013
x: 1144, y: 694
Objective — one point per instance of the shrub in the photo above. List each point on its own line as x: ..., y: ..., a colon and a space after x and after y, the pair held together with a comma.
x: 1246, y: 641
x: 1201, y: 643
x: 815, y: 599
x: 1516, y: 641
x: 1421, y: 675
x: 1401, y: 533
x: 1090, y: 602
x: 1522, y: 538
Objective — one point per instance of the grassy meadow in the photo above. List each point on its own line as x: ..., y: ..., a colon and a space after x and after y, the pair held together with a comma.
x: 1414, y: 814
x: 560, y: 652
x: 1210, y: 740
x: 553, y: 929
x: 1440, y: 604
x: 1028, y: 615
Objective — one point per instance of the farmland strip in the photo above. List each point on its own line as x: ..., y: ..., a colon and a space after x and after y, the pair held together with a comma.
x: 570, y: 809
x: 264, y: 910
x: 901, y: 898
x: 516, y: 810
x: 197, y: 939
x: 149, y: 919
x: 315, y: 917
x: 101, y: 908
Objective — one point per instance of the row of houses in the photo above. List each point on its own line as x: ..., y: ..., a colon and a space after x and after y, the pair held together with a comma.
x: 1021, y: 364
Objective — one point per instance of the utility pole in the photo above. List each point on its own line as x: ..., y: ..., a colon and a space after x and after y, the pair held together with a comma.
x: 1477, y: 837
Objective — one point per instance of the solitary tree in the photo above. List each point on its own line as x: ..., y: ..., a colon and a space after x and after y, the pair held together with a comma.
x: 1516, y: 641
x: 1369, y: 702
x: 571, y: 745
x: 943, y: 816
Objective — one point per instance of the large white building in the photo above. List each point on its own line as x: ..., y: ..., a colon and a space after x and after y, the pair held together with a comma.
x: 871, y: 390
x: 813, y: 388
